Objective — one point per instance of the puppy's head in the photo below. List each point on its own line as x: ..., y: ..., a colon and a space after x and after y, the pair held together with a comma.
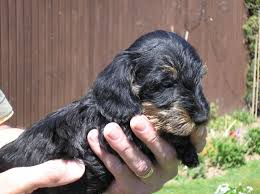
x: 159, y: 75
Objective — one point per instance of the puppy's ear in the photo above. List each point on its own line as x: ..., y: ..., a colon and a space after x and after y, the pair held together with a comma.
x: 113, y: 90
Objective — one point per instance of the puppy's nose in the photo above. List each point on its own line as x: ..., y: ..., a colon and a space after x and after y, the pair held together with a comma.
x: 201, y: 118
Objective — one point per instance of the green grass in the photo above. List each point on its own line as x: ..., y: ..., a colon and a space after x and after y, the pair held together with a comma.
x: 246, y: 175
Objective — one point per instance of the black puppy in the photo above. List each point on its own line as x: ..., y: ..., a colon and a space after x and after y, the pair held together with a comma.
x: 159, y: 75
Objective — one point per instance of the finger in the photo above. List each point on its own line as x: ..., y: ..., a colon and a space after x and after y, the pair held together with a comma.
x: 125, y: 179
x: 113, y: 164
x: 132, y: 156
x: 164, y: 153
x: 49, y: 174
x: 198, y: 138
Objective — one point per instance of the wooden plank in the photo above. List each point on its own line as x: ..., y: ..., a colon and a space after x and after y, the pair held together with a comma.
x: 41, y: 57
x: 74, y: 47
x: 55, y: 57
x: 35, y: 61
x: 28, y: 61
x: 87, y: 69
x: 80, y: 70
x: 20, y: 64
x: 4, y: 47
x: 48, y: 37
x: 110, y: 37
x: 68, y: 64
x: 12, y: 57
x: 91, y: 38
x: 61, y: 59
x: 99, y: 48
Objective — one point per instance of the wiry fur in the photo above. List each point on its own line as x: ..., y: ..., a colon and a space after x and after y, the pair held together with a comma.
x: 159, y: 75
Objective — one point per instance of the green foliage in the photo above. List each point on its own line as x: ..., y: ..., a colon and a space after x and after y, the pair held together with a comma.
x: 198, y: 172
x: 217, y: 122
x: 186, y: 173
x: 253, y: 6
x: 227, y: 153
x: 250, y: 29
x: 213, y: 111
x: 222, y: 123
x: 224, y: 150
x: 253, y: 141
x: 229, y: 122
x: 244, y: 117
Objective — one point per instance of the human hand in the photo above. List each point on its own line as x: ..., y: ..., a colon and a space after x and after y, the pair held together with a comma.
x: 198, y: 138
x: 128, y: 176
x: 49, y: 174
x: 52, y: 173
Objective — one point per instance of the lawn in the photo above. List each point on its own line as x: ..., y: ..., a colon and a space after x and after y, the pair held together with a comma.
x: 246, y: 175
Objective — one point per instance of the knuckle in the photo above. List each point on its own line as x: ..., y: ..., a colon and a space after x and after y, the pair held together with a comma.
x: 117, y: 167
x: 141, y: 168
x: 153, y: 139
x: 125, y: 149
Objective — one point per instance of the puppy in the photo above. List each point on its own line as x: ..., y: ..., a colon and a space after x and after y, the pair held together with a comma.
x: 159, y: 76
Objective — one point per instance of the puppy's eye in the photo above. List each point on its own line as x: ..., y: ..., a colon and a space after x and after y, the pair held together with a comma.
x: 170, y: 69
x: 168, y: 83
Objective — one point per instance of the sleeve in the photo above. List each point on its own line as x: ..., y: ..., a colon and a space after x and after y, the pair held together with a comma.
x: 6, y: 110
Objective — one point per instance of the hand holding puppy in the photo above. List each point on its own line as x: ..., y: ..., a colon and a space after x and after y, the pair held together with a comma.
x: 127, y: 176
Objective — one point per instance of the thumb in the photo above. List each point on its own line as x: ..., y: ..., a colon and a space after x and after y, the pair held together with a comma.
x: 49, y: 174
x: 198, y: 138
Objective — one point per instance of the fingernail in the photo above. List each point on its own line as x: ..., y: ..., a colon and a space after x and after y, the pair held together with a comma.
x: 75, y: 168
x: 111, y: 131
x: 139, y: 123
x: 200, y: 132
x: 93, y: 135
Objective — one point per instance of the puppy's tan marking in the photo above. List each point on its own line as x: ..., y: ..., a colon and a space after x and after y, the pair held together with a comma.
x: 174, y: 120
x: 169, y: 69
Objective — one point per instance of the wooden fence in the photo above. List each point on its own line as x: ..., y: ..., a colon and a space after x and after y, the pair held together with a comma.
x: 51, y: 50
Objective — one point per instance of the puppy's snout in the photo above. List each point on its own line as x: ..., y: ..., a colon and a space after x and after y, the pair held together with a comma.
x: 201, y: 118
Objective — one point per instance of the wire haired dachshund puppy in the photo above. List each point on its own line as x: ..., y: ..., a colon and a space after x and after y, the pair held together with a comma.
x: 159, y: 76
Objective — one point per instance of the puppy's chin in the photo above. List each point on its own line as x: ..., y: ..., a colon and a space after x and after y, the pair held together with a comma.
x: 174, y: 120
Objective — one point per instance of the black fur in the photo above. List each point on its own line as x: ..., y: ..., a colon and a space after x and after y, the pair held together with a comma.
x: 134, y: 77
